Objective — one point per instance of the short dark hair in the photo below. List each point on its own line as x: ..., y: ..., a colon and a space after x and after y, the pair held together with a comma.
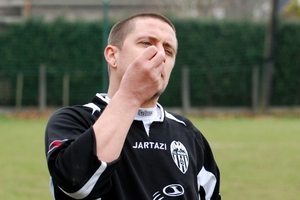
x: 121, y: 29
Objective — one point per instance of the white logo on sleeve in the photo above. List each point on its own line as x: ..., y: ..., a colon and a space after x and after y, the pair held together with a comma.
x: 172, y: 190
x: 180, y: 156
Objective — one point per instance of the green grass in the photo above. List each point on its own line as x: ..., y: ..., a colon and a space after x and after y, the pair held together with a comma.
x: 23, y: 173
x: 258, y: 157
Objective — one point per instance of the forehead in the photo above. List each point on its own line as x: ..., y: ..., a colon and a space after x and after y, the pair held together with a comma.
x: 154, y: 28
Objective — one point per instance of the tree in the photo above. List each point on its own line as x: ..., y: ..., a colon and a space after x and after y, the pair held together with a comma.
x: 292, y: 10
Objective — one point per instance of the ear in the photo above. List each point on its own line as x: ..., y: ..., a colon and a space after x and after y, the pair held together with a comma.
x: 110, y: 53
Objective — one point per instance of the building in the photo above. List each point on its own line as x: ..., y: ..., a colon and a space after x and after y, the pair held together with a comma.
x: 17, y: 10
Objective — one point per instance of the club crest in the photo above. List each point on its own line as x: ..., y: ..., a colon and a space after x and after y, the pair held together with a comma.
x: 180, y: 156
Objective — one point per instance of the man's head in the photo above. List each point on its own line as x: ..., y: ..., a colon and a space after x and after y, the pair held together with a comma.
x: 131, y: 39
x: 121, y: 29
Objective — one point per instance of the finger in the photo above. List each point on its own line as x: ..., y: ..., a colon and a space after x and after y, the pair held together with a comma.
x: 158, y: 58
x: 145, y: 56
x: 152, y: 54
x: 149, y: 53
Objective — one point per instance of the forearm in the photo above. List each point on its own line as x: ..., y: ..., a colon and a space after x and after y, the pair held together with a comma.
x: 112, y: 126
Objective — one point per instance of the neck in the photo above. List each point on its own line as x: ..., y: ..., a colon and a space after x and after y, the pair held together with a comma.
x: 151, y: 103
x: 147, y: 104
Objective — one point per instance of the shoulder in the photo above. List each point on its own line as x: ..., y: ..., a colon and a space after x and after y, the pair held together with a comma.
x: 71, y: 111
x: 73, y: 115
x: 178, y: 118
x: 187, y: 123
x: 68, y: 123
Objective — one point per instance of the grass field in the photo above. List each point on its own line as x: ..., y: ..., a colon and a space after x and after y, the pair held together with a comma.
x: 258, y: 157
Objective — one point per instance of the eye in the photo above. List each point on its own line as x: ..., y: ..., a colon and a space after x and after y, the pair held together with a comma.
x: 147, y: 43
x: 169, y: 52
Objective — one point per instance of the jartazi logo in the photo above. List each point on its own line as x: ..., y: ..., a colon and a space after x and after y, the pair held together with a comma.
x: 180, y: 156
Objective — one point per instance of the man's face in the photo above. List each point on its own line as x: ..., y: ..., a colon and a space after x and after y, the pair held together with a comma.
x: 148, y: 32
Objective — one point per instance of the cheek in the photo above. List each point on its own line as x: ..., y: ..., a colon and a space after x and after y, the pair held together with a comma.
x: 125, y: 58
x: 167, y: 74
x: 168, y: 70
x: 122, y: 63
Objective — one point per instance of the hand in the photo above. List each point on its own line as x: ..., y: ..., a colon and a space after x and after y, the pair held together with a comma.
x: 143, y: 76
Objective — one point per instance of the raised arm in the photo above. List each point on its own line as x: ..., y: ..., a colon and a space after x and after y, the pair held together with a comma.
x: 139, y: 84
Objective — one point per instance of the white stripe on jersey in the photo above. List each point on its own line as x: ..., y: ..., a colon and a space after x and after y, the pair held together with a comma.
x: 103, y: 97
x: 92, y: 106
x: 170, y: 116
x: 87, y: 188
x: 51, y: 187
x: 208, y: 181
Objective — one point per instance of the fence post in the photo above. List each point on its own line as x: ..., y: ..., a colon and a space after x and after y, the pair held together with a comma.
x: 66, y: 89
x: 19, y: 91
x: 267, y: 77
x: 42, y: 88
x: 255, y: 89
x: 185, y: 89
x: 269, y: 56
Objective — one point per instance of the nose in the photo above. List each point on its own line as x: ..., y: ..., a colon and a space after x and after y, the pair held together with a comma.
x: 162, y: 49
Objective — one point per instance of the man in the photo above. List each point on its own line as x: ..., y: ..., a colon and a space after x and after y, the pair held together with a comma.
x: 123, y: 145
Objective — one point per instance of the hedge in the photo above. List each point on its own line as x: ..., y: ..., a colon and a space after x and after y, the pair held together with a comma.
x: 220, y: 55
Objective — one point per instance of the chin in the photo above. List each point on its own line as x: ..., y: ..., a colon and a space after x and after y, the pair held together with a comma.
x: 158, y: 93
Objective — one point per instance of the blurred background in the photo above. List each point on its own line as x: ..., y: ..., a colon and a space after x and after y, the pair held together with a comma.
x: 236, y: 77
x: 239, y: 56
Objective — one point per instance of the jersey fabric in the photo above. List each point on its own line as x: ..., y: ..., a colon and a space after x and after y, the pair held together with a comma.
x: 173, y: 161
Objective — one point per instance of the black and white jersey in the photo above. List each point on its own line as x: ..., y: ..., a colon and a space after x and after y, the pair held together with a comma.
x: 170, y: 161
